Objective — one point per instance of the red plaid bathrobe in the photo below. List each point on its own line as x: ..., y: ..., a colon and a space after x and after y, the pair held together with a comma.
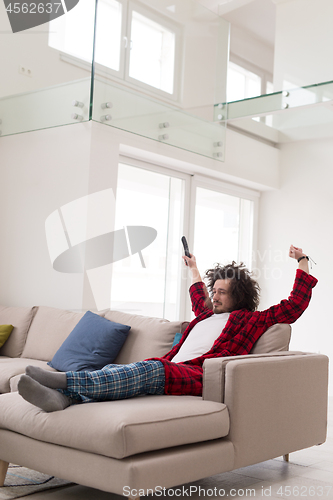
x: 238, y: 336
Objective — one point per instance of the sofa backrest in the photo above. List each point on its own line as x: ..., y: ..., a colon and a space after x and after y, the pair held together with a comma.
x: 40, y: 331
x: 20, y: 318
x: 49, y: 329
x: 276, y: 338
x: 148, y: 337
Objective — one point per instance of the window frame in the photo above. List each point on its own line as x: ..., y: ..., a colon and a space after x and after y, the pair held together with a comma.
x: 104, y: 70
x: 229, y: 189
x: 171, y: 26
x: 191, y: 182
x: 122, y: 76
x: 186, y: 177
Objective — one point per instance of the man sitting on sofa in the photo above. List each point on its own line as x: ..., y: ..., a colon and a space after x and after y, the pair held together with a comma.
x: 227, y: 327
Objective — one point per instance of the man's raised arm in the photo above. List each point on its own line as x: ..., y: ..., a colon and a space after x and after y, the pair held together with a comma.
x: 199, y: 301
x: 289, y: 310
x: 192, y: 264
x: 302, y: 258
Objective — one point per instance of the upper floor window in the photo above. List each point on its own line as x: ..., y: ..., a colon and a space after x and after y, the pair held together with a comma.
x: 152, y: 54
x: 246, y: 80
x: 241, y: 83
x: 133, y: 42
x: 109, y: 34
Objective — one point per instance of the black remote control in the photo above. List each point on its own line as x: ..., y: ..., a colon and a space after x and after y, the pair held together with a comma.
x: 185, y: 245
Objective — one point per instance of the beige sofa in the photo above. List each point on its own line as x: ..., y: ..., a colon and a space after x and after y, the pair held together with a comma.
x: 254, y: 408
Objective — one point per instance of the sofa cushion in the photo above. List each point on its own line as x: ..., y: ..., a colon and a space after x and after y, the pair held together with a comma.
x: 120, y: 428
x: 93, y: 343
x: 5, y: 331
x: 276, y: 338
x: 149, y: 337
x: 20, y: 318
x: 10, y: 367
x: 48, y: 331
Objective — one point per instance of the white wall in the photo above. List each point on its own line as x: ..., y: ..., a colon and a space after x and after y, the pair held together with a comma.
x: 30, y: 50
x: 249, y: 48
x: 40, y: 171
x: 303, y: 42
x: 300, y: 213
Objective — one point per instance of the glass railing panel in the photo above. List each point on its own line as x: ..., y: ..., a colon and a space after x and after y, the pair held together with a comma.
x: 50, y: 107
x: 248, y: 107
x: 47, y: 64
x: 171, y: 68
x: 303, y: 96
x: 177, y: 52
x: 150, y: 118
x: 297, y: 114
x: 170, y: 60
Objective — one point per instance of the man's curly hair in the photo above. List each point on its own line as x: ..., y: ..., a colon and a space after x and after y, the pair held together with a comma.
x: 244, y: 290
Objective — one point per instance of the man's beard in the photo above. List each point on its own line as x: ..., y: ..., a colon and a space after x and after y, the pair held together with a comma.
x: 215, y: 306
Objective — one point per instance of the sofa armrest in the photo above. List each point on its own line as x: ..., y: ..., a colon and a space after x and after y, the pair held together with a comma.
x: 214, y: 372
x: 277, y: 404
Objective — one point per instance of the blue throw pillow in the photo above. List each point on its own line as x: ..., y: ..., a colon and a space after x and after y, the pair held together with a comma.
x: 177, y: 338
x: 93, y: 343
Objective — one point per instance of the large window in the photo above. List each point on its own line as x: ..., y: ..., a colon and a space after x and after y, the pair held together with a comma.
x: 150, y: 199
x: 223, y: 228
x: 223, y: 225
x: 133, y: 42
x: 217, y: 221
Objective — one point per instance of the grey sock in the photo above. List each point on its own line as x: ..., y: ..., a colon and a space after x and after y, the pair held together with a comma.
x: 54, y: 380
x: 45, y: 398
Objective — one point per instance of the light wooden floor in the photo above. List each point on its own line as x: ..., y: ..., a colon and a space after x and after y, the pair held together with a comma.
x: 308, y: 475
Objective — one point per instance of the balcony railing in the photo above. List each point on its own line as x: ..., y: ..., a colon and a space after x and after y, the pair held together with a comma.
x: 293, y: 115
x: 60, y: 88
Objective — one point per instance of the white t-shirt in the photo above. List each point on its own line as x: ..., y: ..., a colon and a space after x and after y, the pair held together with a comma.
x: 201, y: 338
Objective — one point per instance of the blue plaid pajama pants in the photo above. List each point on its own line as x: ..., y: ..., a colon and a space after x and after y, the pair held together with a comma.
x: 116, y: 382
